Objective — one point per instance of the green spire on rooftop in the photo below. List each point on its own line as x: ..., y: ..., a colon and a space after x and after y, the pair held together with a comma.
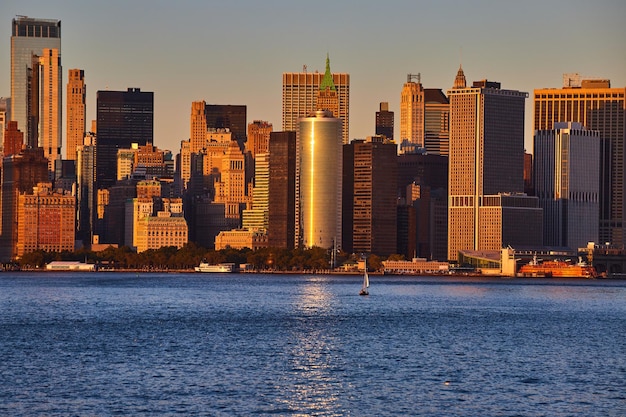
x: 327, y: 81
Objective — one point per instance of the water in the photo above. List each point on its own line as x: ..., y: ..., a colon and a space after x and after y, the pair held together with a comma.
x: 203, y: 344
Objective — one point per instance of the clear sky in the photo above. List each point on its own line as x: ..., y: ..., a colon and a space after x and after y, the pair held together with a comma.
x: 235, y: 51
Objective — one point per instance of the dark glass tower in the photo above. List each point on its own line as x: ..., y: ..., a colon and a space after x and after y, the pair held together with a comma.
x: 123, y: 118
x: 282, y: 190
x: 384, y: 121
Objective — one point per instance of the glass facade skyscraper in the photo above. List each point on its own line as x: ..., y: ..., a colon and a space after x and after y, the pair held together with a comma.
x: 30, y: 37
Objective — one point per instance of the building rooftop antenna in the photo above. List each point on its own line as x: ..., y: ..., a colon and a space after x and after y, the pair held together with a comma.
x: 410, y: 77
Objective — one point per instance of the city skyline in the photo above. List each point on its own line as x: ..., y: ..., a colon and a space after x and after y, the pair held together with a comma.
x: 236, y: 53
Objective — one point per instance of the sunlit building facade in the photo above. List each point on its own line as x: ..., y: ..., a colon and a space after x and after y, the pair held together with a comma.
x: 46, y: 221
x: 320, y: 180
x: 76, y: 112
x: 597, y: 106
x: 30, y: 36
x: 301, y: 91
x: 486, y: 160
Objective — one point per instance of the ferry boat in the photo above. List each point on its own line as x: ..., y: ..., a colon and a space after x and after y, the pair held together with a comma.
x: 557, y: 269
x: 224, y: 267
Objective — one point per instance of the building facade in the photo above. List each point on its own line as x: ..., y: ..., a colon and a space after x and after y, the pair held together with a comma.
x: 567, y: 166
x: 597, y: 106
x: 46, y: 221
x: 258, y: 137
x: 369, y: 196
x: 486, y: 159
x: 50, y: 100
x: 281, y: 210
x: 384, y: 121
x: 320, y: 181
x: 123, y: 118
x: 301, y: 91
x: 76, y: 112
x: 30, y: 37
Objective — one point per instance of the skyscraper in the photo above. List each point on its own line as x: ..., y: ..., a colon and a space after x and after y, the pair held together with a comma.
x: 258, y: 137
x: 320, y: 180
x: 30, y: 37
x: 424, y: 118
x: 301, y: 91
x: 567, y: 166
x: 384, y: 121
x: 369, y: 196
x: 50, y: 115
x: 486, y: 165
x: 123, y: 118
x: 597, y: 106
x: 282, y: 190
x: 76, y: 115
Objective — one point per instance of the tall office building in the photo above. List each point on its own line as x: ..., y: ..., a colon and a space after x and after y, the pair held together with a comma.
x: 5, y: 116
x: 567, y: 166
x: 320, y: 180
x: 85, y: 188
x: 411, y: 111
x: 228, y: 116
x: 597, y: 106
x: 50, y: 115
x: 76, y: 112
x: 486, y: 163
x: 384, y: 121
x: 301, y: 92
x: 282, y: 190
x: 370, y: 200
x: 258, y: 137
x: 256, y: 218
x: 424, y: 118
x: 123, y: 118
x: 29, y: 38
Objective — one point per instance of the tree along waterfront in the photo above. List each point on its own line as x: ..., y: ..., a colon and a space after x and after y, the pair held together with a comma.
x: 186, y: 258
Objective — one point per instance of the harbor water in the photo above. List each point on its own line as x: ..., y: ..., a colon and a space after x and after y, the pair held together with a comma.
x: 113, y: 344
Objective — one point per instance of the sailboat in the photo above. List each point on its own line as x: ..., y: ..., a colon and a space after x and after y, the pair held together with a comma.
x: 366, y: 281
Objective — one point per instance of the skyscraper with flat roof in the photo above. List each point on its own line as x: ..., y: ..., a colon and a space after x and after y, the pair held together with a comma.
x: 320, y: 180
x: 123, y: 118
x: 597, y: 106
x: 370, y: 200
x: 30, y: 37
x: 486, y: 170
x: 384, y: 121
x: 76, y: 114
x: 282, y: 190
x: 567, y: 166
x: 50, y: 116
x: 301, y: 93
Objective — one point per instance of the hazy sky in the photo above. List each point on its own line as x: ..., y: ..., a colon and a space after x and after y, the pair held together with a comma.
x: 235, y: 51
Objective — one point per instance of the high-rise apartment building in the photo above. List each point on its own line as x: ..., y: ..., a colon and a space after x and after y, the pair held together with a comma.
x: 567, y: 166
x: 282, y: 190
x: 29, y: 38
x: 384, y: 121
x: 5, y: 116
x: 86, y: 194
x: 320, y: 180
x: 369, y: 200
x: 301, y: 92
x: 123, y: 118
x: 486, y: 161
x: 50, y: 115
x: 424, y: 118
x: 76, y: 112
x: 597, y: 106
